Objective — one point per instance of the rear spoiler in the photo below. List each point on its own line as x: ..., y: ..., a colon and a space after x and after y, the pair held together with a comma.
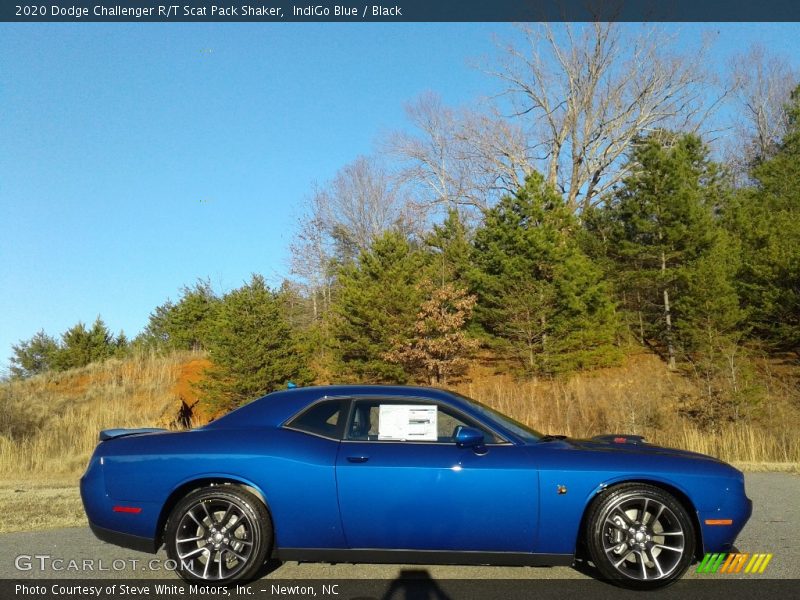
x: 615, y: 438
x: 110, y: 434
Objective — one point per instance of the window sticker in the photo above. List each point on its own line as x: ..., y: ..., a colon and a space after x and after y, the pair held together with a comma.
x: 407, y: 422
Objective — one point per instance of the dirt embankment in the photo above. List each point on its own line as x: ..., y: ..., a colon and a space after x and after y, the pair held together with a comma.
x: 189, y: 410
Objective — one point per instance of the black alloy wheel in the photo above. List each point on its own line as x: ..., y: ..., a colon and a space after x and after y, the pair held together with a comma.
x: 219, y: 533
x: 639, y: 536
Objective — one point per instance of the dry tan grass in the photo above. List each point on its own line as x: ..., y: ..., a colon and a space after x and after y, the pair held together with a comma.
x: 768, y: 467
x: 29, y: 505
x: 50, y: 422
x: 641, y: 398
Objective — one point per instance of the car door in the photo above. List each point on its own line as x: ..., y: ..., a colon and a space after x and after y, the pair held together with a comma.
x: 418, y: 490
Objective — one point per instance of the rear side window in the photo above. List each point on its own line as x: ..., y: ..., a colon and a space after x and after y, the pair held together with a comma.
x: 323, y: 418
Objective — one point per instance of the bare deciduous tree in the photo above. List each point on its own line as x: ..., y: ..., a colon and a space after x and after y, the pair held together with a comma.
x: 312, y: 254
x: 459, y: 158
x: 363, y: 201
x: 498, y: 153
x: 342, y: 218
x: 762, y: 84
x: 587, y: 91
x: 432, y: 158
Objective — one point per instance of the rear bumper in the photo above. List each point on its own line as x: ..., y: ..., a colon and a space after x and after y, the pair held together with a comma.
x: 129, y: 529
x: 126, y: 540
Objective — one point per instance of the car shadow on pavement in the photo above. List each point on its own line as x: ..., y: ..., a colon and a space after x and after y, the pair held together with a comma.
x: 267, y: 568
x: 414, y: 584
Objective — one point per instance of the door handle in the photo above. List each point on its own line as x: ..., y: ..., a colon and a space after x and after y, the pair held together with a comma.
x: 357, y: 459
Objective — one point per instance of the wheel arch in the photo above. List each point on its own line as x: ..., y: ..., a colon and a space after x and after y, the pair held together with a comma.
x: 199, y: 482
x: 668, y: 487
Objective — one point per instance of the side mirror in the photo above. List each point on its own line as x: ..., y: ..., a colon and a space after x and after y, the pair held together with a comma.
x: 468, y: 437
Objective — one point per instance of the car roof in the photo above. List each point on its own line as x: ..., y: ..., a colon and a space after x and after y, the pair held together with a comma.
x: 275, y: 408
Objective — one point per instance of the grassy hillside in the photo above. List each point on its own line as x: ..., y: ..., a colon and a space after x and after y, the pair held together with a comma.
x: 642, y: 397
x: 49, y: 423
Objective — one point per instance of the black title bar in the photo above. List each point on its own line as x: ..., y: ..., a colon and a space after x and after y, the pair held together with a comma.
x: 399, y: 10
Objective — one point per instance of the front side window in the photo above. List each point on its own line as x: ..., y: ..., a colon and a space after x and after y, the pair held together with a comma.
x: 526, y: 433
x: 323, y: 418
x: 397, y: 420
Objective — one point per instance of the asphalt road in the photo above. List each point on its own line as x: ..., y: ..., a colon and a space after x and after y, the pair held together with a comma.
x: 774, y: 527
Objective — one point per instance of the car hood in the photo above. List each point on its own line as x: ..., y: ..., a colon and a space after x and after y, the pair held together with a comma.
x: 632, y: 444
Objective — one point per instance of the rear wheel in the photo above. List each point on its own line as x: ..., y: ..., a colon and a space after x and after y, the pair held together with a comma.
x: 639, y: 536
x: 219, y: 533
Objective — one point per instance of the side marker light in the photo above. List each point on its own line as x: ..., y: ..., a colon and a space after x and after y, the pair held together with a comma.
x: 719, y: 521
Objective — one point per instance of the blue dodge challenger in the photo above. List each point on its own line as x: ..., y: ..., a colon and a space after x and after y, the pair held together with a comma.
x: 406, y: 475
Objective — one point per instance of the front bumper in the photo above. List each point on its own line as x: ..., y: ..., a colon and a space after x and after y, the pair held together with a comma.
x: 720, y: 538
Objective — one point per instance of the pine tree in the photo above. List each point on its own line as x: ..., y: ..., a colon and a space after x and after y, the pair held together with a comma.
x: 33, y: 356
x: 450, y: 247
x: 81, y: 346
x: 251, y: 346
x: 708, y: 308
x: 376, y: 302
x: 537, y: 290
x: 661, y: 225
x: 675, y: 268
x: 186, y: 324
x: 710, y: 328
x: 766, y: 218
x: 310, y: 331
x: 122, y: 345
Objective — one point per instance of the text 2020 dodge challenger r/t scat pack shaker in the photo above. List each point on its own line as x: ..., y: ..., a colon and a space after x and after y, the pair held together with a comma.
x: 406, y: 474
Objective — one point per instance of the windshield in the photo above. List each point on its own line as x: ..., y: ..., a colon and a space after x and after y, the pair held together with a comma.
x: 523, y: 431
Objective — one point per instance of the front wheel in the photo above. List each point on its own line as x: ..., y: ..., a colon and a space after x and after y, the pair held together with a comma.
x: 639, y: 536
x: 218, y: 533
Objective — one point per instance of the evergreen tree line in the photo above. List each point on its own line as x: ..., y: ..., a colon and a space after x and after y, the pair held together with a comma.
x: 76, y: 347
x: 676, y: 258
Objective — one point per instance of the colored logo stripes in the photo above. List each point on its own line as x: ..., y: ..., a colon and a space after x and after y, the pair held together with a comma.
x: 734, y: 563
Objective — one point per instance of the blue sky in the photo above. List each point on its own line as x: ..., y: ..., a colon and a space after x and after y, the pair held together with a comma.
x: 136, y: 158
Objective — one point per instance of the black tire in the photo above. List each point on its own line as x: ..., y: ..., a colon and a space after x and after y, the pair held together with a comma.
x: 220, y: 534
x: 639, y: 536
